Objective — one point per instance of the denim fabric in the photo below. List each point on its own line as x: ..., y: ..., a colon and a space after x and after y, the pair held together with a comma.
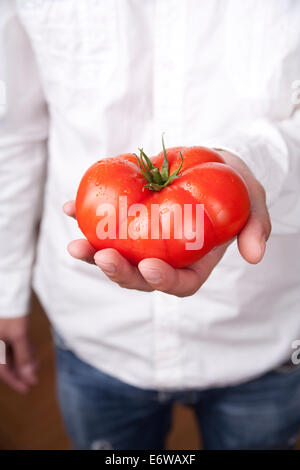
x: 101, y: 412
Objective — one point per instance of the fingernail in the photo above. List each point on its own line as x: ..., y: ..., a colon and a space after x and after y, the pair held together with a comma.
x: 151, y: 275
x: 108, y: 268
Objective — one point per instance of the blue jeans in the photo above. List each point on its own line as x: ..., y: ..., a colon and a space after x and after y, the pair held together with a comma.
x: 102, y: 412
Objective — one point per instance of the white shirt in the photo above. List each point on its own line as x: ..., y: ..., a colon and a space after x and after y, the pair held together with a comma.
x: 86, y: 80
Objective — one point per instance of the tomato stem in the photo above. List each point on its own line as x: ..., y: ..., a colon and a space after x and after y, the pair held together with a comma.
x: 157, y: 179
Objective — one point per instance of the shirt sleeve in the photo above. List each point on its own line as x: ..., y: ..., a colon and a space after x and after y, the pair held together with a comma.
x: 271, y: 149
x: 23, y: 136
x: 265, y: 73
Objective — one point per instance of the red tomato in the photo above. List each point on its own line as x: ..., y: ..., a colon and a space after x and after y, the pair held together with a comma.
x: 158, y: 218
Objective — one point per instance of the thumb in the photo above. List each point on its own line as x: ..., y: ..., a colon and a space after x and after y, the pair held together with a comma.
x: 24, y: 361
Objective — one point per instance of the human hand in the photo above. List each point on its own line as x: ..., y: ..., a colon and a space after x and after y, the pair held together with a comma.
x: 19, y: 372
x: 155, y: 274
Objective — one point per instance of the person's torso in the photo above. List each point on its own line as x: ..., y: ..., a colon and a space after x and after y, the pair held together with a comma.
x: 115, y: 78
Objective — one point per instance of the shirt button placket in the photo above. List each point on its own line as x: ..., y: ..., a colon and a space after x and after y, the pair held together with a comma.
x: 167, y: 341
x: 168, y: 69
x: 169, y: 43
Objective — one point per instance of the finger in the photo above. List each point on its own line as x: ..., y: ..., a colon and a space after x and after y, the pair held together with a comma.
x: 11, y: 379
x: 119, y: 270
x: 180, y: 282
x: 161, y: 276
x: 83, y: 250
x: 252, y: 239
x: 23, y: 360
x: 69, y: 209
x: 205, y: 265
